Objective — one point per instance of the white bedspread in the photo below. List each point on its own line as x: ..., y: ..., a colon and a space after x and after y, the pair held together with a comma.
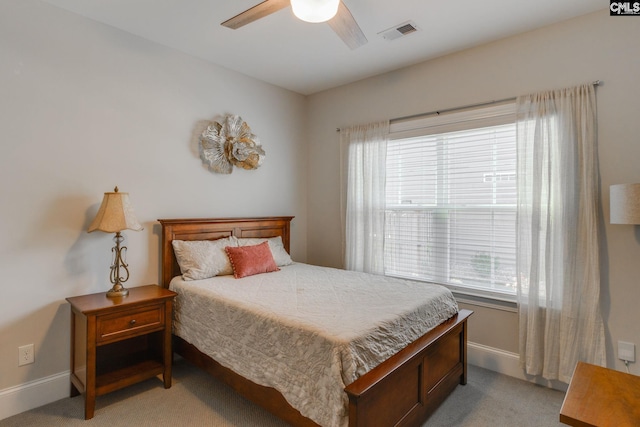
x: 307, y: 331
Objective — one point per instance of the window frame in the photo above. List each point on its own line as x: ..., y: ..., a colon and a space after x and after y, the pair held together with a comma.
x: 455, y: 120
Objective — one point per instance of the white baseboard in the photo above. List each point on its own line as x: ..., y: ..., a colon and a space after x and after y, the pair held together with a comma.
x: 23, y: 397
x: 505, y: 362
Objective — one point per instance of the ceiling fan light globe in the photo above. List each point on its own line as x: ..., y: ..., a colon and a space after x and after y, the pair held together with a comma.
x: 315, y: 10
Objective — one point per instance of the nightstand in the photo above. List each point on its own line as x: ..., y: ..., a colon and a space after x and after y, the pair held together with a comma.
x: 603, y: 397
x: 116, y: 342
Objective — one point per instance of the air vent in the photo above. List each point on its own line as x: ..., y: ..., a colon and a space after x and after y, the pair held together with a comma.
x: 399, y: 30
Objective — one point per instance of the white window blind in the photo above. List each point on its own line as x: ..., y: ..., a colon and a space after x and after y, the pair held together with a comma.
x: 451, y: 201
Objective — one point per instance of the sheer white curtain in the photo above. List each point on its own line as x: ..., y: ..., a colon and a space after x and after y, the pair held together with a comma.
x: 558, y: 232
x: 365, y: 165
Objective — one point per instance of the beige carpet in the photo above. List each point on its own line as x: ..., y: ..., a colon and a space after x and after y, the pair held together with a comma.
x: 196, y: 399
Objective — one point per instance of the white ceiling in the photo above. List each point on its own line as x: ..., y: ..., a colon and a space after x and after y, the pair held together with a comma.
x: 307, y: 58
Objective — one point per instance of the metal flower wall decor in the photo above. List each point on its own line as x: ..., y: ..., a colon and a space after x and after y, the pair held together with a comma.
x: 223, y: 145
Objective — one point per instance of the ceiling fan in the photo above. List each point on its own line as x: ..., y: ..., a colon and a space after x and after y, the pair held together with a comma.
x: 343, y: 23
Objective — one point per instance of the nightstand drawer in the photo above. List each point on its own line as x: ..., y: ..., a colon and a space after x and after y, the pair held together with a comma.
x: 129, y: 323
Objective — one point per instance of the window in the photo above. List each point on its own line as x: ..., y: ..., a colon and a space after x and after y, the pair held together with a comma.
x: 451, y: 201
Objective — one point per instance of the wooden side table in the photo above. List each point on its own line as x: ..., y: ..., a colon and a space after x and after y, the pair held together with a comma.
x: 116, y: 342
x: 601, y: 397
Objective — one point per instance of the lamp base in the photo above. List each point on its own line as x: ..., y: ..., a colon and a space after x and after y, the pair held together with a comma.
x: 117, y: 291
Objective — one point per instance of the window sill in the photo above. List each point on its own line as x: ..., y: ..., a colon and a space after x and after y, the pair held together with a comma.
x: 504, y: 303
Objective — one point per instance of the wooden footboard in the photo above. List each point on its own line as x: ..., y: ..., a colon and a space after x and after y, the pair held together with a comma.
x: 405, y: 389
x: 402, y: 391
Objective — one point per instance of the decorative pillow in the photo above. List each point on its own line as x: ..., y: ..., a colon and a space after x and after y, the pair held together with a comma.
x: 201, y: 259
x: 250, y: 260
x: 280, y: 254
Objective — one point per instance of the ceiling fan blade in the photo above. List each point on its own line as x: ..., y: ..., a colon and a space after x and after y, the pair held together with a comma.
x: 347, y: 28
x: 256, y: 12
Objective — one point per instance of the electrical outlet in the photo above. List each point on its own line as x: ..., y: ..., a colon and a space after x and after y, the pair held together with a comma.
x: 25, y: 355
x: 626, y: 351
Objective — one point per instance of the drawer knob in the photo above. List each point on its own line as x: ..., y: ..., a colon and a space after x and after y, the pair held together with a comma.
x: 132, y: 322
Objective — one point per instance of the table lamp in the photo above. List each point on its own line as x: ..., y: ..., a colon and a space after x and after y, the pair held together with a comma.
x: 625, y: 204
x: 116, y: 214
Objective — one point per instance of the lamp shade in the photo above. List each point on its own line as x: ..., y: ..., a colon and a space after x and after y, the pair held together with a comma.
x: 115, y: 214
x: 315, y: 10
x: 625, y: 204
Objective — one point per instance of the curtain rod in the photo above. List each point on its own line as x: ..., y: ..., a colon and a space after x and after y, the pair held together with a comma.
x: 446, y: 110
x: 481, y: 104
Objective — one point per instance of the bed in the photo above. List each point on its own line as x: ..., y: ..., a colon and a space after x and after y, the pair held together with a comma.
x: 404, y: 389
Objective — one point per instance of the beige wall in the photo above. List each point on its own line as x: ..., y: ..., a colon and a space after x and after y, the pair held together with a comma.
x: 85, y: 107
x: 585, y: 49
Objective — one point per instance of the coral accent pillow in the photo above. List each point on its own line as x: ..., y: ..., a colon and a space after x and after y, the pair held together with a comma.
x: 250, y: 260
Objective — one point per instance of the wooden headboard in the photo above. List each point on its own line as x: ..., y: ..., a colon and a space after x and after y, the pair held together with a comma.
x: 216, y: 228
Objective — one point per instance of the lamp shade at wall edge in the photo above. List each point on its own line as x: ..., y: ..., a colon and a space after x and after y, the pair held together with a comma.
x: 625, y: 204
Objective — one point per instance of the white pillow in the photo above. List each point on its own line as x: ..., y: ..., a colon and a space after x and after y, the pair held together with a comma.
x: 280, y: 254
x: 202, y: 259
